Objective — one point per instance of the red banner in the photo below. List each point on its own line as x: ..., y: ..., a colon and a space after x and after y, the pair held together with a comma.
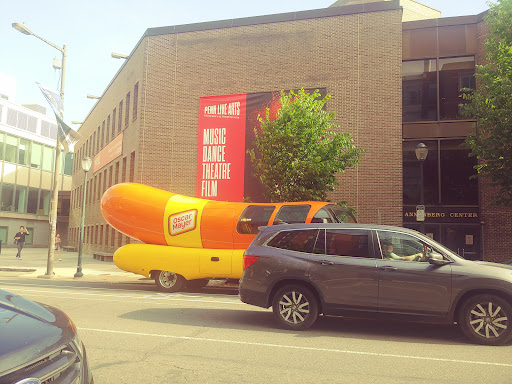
x: 221, y: 147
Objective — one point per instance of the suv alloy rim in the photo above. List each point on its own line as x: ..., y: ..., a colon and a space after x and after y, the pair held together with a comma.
x: 294, y: 307
x: 167, y: 279
x: 488, y: 320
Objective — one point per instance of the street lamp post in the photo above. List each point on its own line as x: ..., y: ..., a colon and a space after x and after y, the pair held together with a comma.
x: 55, y: 193
x: 421, y: 154
x: 86, y: 166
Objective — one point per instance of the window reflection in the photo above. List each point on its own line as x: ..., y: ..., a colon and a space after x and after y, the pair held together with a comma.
x: 454, y: 74
x: 11, y: 149
x: 419, y: 90
x: 6, y: 201
x: 411, y: 174
x: 457, y: 186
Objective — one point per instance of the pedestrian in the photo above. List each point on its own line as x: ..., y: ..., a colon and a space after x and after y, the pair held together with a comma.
x: 57, y: 245
x: 19, y: 240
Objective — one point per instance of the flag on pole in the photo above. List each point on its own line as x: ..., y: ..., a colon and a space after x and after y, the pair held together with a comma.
x: 66, y: 135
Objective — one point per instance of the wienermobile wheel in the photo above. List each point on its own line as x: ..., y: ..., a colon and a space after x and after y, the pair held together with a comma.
x: 168, y: 281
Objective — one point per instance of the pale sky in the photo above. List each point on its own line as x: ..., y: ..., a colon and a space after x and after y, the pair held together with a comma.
x: 93, y: 29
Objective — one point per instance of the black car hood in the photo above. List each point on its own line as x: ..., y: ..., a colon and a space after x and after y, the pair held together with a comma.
x: 29, y: 330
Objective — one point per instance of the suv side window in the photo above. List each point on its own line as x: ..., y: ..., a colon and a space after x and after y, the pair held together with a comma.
x: 352, y: 243
x: 292, y: 214
x: 302, y: 240
x: 254, y: 216
x: 401, y: 246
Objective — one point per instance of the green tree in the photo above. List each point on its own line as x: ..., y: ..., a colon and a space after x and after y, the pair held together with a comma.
x: 298, y: 154
x: 491, y: 104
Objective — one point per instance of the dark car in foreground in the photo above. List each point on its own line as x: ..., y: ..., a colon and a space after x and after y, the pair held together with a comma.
x: 372, y: 271
x: 39, y: 344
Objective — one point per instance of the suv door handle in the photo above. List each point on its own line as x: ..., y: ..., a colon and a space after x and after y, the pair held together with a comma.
x: 326, y: 262
x: 215, y: 258
x: 388, y: 269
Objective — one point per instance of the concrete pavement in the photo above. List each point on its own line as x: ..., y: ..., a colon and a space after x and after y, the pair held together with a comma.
x: 34, y: 265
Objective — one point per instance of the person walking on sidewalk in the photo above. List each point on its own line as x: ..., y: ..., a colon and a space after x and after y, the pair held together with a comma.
x: 57, y: 245
x: 19, y: 239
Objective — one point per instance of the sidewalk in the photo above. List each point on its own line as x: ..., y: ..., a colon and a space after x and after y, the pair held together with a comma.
x: 34, y: 264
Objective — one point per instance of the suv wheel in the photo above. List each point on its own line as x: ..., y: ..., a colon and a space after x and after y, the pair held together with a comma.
x: 295, y: 307
x: 168, y: 281
x: 486, y: 319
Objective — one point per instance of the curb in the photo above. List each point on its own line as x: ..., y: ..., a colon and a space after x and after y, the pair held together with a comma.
x: 17, y: 270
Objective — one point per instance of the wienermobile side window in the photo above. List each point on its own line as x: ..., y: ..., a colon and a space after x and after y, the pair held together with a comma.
x: 292, y: 214
x: 254, y: 216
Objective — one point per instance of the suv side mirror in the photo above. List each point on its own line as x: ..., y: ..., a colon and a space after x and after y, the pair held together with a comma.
x: 435, y: 258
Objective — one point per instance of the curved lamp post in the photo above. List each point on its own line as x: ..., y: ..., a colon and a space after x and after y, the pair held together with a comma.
x: 421, y: 154
x: 86, y: 166
x: 20, y: 27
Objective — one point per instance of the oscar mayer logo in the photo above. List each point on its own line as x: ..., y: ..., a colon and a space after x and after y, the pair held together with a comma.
x: 182, y: 222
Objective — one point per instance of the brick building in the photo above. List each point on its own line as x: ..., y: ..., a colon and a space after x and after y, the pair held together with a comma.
x: 145, y: 126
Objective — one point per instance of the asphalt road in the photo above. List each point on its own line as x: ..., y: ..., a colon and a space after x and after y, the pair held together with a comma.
x: 142, y: 336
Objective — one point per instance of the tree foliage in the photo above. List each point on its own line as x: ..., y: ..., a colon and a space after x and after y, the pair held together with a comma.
x: 298, y: 154
x: 491, y: 104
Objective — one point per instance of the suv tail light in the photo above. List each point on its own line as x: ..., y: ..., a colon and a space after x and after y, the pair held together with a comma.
x: 248, y: 260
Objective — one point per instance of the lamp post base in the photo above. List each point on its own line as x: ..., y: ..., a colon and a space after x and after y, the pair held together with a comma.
x: 46, y: 276
x: 79, y: 273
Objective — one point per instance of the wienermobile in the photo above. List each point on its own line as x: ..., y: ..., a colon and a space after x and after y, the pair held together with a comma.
x: 186, y: 240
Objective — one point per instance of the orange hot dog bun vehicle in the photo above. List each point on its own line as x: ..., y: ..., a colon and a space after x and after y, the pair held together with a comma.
x: 190, y: 240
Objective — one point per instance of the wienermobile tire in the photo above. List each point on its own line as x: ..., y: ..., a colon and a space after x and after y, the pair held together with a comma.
x: 168, y: 281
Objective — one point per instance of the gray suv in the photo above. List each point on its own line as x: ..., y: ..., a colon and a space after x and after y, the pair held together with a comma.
x: 378, y: 272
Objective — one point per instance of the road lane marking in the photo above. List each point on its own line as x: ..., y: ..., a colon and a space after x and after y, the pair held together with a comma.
x: 168, y: 297
x: 374, y: 354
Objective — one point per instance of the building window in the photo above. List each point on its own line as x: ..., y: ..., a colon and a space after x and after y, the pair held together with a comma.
x: 48, y: 160
x: 99, y: 187
x: 2, y: 136
x: 120, y: 120
x: 64, y: 208
x: 20, y: 201
x: 102, y: 134
x: 101, y: 235
x: 3, y: 235
x: 132, y: 167
x: 107, y: 230
x: 96, y: 234
x: 127, y: 114
x: 36, y: 155
x: 110, y: 175
x: 135, y: 100
x: 114, y: 123
x: 11, y: 149
x: 94, y: 144
x: 104, y: 182
x: 119, y: 239
x: 29, y: 238
x: 98, y: 144
x: 33, y: 198
x: 455, y: 74
x: 411, y: 174
x: 108, y: 129
x: 44, y: 202
x: 457, y: 185
x: 112, y: 237
x: 6, y: 202
x: 24, y: 152
x: 117, y: 172
x: 419, y: 90
x: 123, y: 174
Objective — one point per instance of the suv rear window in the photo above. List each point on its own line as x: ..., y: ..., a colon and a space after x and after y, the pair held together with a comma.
x: 295, y: 240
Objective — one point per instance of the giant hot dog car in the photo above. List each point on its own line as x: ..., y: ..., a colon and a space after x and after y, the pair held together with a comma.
x: 189, y: 240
